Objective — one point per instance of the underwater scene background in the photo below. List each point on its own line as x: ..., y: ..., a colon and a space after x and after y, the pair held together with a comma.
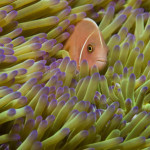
x: 46, y: 103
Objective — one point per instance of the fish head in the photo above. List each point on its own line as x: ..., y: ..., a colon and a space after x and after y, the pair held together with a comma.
x: 87, y: 43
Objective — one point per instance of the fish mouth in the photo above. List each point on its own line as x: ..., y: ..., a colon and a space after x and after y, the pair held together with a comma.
x: 102, y: 60
x: 101, y: 63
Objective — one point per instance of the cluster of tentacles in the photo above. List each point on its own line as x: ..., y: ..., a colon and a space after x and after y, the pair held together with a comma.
x: 47, y: 103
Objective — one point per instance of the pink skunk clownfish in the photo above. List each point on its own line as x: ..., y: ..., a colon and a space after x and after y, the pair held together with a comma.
x: 86, y: 42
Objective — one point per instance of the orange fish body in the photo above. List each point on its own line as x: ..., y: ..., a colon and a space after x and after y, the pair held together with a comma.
x: 86, y: 42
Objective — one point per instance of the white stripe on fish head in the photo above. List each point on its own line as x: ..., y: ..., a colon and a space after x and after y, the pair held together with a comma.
x: 83, y: 47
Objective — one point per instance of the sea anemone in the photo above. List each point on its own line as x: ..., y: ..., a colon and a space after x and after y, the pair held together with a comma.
x: 47, y: 103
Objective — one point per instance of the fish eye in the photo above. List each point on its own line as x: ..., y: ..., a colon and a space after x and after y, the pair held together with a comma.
x: 90, y: 48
